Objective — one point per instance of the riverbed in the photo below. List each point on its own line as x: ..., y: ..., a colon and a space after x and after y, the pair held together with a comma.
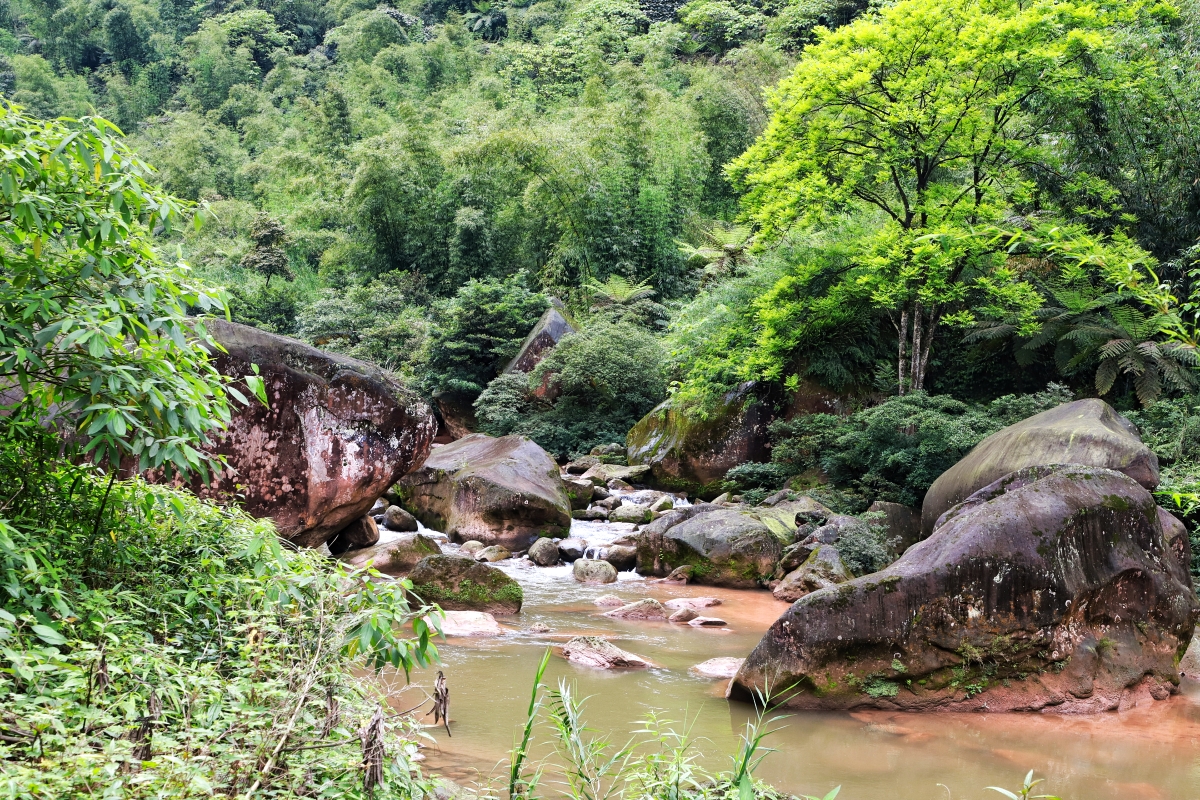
x: 1150, y: 752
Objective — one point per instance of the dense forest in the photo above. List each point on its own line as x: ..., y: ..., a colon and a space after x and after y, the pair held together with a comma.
x: 951, y: 215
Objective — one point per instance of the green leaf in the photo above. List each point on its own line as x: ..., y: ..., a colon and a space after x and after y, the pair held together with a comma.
x: 49, y: 635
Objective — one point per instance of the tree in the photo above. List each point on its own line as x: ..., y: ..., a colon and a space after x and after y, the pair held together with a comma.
x: 94, y: 324
x: 268, y: 257
x: 477, y: 331
x: 918, y: 111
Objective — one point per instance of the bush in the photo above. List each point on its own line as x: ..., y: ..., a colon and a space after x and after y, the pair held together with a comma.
x: 141, y: 627
x: 865, y: 547
x: 602, y: 380
x: 477, y: 331
x: 897, y: 449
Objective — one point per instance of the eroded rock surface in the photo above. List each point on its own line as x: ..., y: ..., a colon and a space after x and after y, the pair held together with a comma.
x: 1087, y: 432
x: 647, y: 609
x: 1052, y: 588
x: 335, y: 435
x: 504, y: 491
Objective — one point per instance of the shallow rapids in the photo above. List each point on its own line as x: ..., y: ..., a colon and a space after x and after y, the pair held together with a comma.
x: 1150, y: 753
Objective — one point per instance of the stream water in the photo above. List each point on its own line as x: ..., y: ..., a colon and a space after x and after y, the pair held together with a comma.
x: 1150, y: 752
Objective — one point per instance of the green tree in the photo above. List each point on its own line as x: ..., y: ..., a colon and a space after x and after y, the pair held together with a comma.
x: 268, y: 257
x: 477, y: 331
x: 917, y: 110
x: 94, y: 324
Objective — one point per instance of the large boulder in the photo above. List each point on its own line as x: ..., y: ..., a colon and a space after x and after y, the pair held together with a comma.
x: 503, y: 491
x: 1087, y: 432
x: 462, y: 584
x: 1054, y: 588
x: 724, y: 547
x: 547, y: 333
x: 335, y: 434
x: 687, y: 453
x: 396, y: 557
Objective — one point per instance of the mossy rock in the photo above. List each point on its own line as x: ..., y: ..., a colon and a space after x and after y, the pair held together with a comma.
x: 457, y: 583
x: 691, y: 453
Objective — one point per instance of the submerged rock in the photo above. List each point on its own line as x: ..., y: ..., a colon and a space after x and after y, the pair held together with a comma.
x: 1087, y: 432
x: 544, y: 552
x: 683, y: 615
x: 693, y: 602
x: 590, y: 570
x: 470, y: 623
x: 724, y: 547
x: 822, y: 569
x: 609, y: 600
x: 592, y: 651
x: 707, y: 622
x: 334, y: 436
x: 397, y: 557
x: 648, y: 609
x: 718, y: 667
x: 1052, y: 588
x: 462, y: 584
x: 504, y: 491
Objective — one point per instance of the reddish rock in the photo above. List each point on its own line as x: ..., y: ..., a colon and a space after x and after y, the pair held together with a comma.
x: 1054, y: 588
x: 592, y: 651
x: 504, y: 491
x: 336, y: 434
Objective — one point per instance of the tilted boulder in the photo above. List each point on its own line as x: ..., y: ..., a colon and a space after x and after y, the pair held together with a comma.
x: 1087, y: 432
x: 546, y: 333
x: 460, y: 583
x: 504, y: 491
x: 336, y: 433
x: 1055, y: 588
x: 724, y: 547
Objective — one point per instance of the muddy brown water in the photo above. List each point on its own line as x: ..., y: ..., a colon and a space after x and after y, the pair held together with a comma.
x: 1146, y: 753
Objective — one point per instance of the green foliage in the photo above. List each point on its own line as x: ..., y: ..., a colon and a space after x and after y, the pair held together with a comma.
x: 381, y: 322
x: 139, y: 627
x: 93, y: 321
x: 895, y: 450
x: 865, y: 548
x: 477, y: 332
x: 590, y: 390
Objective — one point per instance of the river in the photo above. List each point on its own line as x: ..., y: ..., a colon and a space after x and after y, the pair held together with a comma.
x: 1150, y: 753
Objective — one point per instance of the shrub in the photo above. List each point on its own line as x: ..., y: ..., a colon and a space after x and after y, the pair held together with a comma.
x: 897, y: 449
x: 865, y: 547
x: 602, y: 381
x: 477, y: 331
